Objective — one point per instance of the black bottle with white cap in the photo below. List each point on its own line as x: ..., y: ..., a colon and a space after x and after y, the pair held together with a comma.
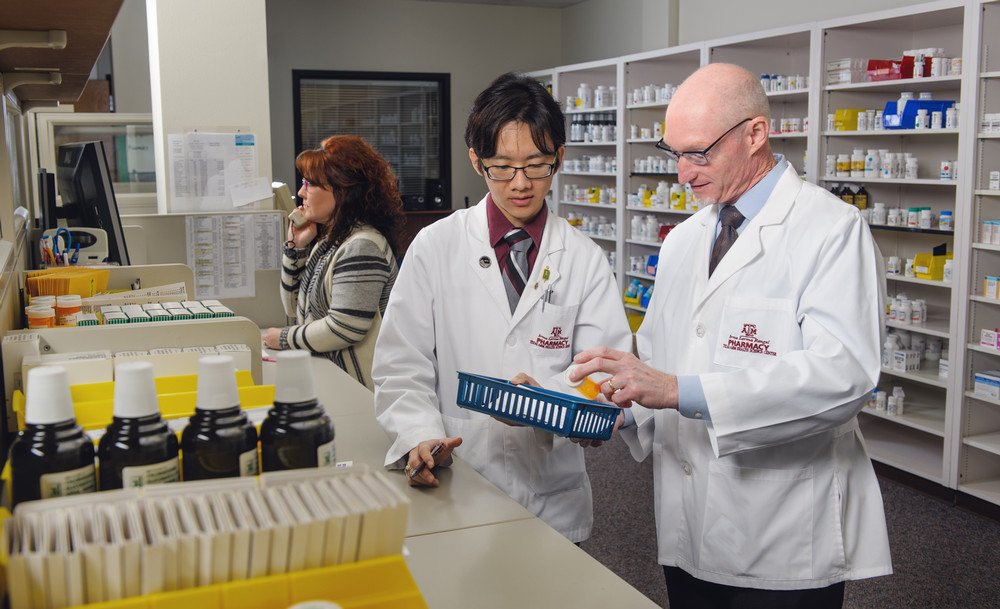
x: 138, y: 448
x: 219, y: 441
x: 52, y: 457
x: 297, y: 431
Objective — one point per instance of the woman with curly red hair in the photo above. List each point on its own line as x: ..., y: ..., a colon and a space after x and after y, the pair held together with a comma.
x: 339, y: 266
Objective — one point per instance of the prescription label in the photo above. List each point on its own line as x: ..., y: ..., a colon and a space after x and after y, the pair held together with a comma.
x: 158, y: 473
x: 72, y: 482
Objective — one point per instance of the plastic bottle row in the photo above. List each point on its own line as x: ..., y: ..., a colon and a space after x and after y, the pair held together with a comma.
x: 592, y: 225
x: 596, y: 164
x: 892, y: 405
x: 776, y: 83
x: 649, y: 228
x: 53, y: 456
x: 601, y: 195
x: 879, y: 163
x: 654, y: 164
x: 906, y: 267
x: 599, y: 127
x: 587, y: 98
x: 789, y: 125
x: 652, y: 94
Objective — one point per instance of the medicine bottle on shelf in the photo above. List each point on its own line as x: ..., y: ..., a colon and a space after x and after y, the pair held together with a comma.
x: 297, y: 432
x: 588, y: 388
x: 219, y: 441
x: 52, y: 457
x: 138, y: 448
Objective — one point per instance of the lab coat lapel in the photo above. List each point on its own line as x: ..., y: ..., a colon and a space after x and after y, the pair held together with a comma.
x: 549, y: 253
x: 749, y: 245
x: 483, y: 260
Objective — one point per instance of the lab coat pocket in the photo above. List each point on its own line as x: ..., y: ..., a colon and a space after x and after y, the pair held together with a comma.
x: 771, y: 540
x: 551, y: 327
x: 561, y: 469
x: 753, y: 332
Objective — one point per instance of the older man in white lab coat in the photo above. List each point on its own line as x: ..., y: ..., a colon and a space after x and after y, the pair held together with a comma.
x: 453, y: 309
x: 761, y: 344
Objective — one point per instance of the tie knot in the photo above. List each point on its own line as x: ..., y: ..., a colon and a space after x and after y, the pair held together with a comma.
x: 518, y: 239
x: 730, y: 216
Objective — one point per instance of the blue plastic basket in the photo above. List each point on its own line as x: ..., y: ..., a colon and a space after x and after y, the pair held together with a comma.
x: 556, y: 412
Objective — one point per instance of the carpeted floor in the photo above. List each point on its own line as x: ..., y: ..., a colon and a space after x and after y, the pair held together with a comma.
x: 943, y: 557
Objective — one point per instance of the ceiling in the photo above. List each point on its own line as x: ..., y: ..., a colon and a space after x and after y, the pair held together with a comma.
x: 532, y: 3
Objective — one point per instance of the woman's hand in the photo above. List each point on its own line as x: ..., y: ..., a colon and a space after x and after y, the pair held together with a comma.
x: 420, y: 461
x: 272, y: 338
x: 302, y: 236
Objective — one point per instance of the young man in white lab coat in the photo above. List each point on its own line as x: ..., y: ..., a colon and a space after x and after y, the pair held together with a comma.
x: 754, y: 374
x: 453, y: 309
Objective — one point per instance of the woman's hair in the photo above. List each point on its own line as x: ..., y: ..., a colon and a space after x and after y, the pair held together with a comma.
x: 363, y: 184
x: 518, y: 98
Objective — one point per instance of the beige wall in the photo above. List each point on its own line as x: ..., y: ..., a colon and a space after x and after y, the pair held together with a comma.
x: 599, y: 29
x: 708, y: 19
x: 474, y: 43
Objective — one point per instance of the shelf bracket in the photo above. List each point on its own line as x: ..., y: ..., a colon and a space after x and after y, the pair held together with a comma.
x: 33, y: 39
x: 16, y: 79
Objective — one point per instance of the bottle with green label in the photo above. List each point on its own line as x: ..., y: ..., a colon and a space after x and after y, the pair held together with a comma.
x: 137, y: 449
x: 297, y: 432
x: 219, y: 441
x: 52, y: 457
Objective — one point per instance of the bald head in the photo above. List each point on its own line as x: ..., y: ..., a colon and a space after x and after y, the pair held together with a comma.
x: 719, y: 95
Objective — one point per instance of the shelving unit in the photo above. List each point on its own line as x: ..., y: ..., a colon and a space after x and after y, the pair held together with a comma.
x: 947, y: 434
x: 978, y: 454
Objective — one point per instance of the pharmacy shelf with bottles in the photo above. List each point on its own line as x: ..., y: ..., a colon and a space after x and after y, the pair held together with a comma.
x: 945, y: 433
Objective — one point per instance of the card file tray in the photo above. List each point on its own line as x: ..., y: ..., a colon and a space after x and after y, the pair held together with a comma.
x: 536, y: 407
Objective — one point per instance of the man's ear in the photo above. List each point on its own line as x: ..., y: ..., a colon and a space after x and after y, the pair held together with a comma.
x: 476, y: 165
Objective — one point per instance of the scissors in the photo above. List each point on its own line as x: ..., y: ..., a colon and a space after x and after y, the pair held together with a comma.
x: 56, y: 242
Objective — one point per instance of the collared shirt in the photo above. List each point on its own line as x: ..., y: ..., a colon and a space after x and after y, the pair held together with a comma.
x: 691, y: 402
x: 499, y: 225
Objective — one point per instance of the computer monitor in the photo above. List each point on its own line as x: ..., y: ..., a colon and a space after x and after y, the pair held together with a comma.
x: 88, y: 198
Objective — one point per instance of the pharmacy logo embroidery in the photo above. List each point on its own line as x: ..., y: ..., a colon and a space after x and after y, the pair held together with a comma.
x: 747, y: 342
x: 555, y: 340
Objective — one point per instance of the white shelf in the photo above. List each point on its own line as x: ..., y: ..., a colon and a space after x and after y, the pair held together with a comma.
x: 931, y: 83
x: 885, y: 132
x: 650, y: 105
x: 642, y: 140
x: 661, y: 210
x: 925, y: 376
x: 640, y: 275
x: 610, y: 238
x: 608, y: 206
x: 918, y: 281
x: 987, y: 490
x: 655, y: 244
x: 981, y: 349
x: 903, y: 448
x: 988, y: 136
x: 588, y: 144
x: 982, y: 398
x: 987, y: 192
x: 920, y: 181
x: 989, y: 75
x: 932, y: 327
x: 989, y: 442
x: 600, y: 174
x: 788, y: 136
x: 920, y: 414
x: 791, y: 94
x: 591, y: 110
x: 635, y: 308
x: 989, y: 301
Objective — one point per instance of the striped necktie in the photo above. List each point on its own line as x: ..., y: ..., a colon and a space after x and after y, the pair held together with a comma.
x: 516, y: 264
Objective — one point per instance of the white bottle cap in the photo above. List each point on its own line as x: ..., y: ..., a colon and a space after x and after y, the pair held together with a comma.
x: 294, y: 377
x: 135, y: 390
x: 573, y: 384
x: 47, y: 396
x: 216, y: 383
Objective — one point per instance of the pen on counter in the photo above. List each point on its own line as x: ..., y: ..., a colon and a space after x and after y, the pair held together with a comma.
x: 420, y: 466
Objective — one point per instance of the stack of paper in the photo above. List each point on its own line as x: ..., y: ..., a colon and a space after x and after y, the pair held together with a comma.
x: 82, y: 281
x: 107, y: 546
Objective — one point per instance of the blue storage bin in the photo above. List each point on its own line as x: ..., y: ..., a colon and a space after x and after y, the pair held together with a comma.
x: 536, y: 407
x: 891, y: 120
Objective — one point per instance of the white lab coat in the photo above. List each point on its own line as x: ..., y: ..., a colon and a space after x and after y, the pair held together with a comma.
x: 448, y: 312
x: 777, y: 491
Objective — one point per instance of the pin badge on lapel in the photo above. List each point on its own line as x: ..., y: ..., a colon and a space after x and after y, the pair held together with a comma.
x: 484, y: 262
